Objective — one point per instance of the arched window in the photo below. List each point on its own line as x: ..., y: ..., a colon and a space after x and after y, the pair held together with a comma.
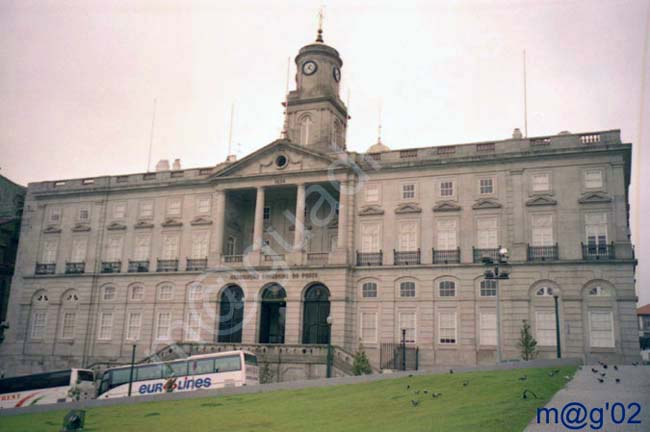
x: 598, y: 291
x: 108, y: 294
x: 137, y: 293
x: 166, y: 292
x: 68, y: 314
x: 39, y: 315
x: 369, y: 290
x: 305, y: 129
x: 488, y: 288
x: 70, y: 298
x: 544, y: 292
x: 447, y: 288
x: 407, y: 289
x: 195, y: 292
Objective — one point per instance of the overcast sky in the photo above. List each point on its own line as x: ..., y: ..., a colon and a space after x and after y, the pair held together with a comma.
x: 78, y: 78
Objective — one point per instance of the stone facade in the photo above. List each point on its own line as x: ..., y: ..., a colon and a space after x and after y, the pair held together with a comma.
x: 302, y: 229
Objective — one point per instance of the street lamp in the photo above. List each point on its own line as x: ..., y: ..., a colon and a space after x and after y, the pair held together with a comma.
x: 557, y: 327
x: 498, y: 272
x: 329, y: 347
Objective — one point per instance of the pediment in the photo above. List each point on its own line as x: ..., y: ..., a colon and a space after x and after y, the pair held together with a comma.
x: 143, y: 224
x: 201, y: 220
x: 408, y: 208
x: 371, y: 210
x: 595, y: 198
x: 446, y: 206
x: 267, y: 160
x: 52, y: 229
x: 80, y: 227
x: 115, y: 226
x: 486, y: 204
x: 541, y: 200
x: 171, y: 222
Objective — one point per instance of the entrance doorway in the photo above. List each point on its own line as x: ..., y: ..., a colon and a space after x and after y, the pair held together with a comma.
x: 273, y: 314
x: 315, y: 329
x: 231, y: 315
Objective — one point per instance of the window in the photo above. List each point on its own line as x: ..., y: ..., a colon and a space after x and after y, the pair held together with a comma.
x: 267, y: 214
x: 598, y: 291
x: 488, y: 328
x: 133, y: 325
x: 305, y: 130
x: 408, y: 191
x: 166, y: 292
x: 368, y: 327
x: 39, y: 320
x: 203, y: 205
x: 370, y: 237
x: 488, y: 288
x: 407, y: 322
x: 231, y: 246
x: 105, y: 326
x: 170, y: 247
x: 78, y: 253
x: 67, y: 328
x: 369, y: 290
x: 145, y: 373
x: 83, y: 214
x: 142, y: 247
x: 372, y: 193
x: 200, y: 245
x: 119, y: 210
x: 486, y: 186
x: 114, y: 249
x: 199, y: 367
x: 193, y: 326
x: 545, y: 328
x: 174, y: 206
x: 408, y: 236
x: 50, y: 247
x: 196, y: 292
x: 137, y: 293
x: 447, y: 234
x: 542, y: 232
x: 596, y: 229
x: 54, y: 215
x: 593, y: 179
x: 544, y: 292
x: 146, y: 209
x: 447, y: 288
x: 447, y: 327
x: 487, y: 233
x: 601, y: 329
x: 163, y: 325
x: 407, y: 289
x: 541, y: 182
x: 446, y: 188
x: 108, y: 293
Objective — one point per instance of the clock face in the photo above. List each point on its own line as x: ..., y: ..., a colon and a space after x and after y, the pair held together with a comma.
x: 337, y: 74
x: 309, y: 67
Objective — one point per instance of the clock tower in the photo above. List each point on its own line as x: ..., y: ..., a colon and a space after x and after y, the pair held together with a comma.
x: 316, y: 115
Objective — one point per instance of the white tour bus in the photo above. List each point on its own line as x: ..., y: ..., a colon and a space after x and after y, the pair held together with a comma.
x: 47, y: 388
x: 207, y: 371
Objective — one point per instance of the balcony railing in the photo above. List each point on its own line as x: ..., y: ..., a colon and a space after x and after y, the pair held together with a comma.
x: 138, y: 266
x: 75, y: 267
x: 600, y: 251
x: 450, y: 256
x: 111, y: 266
x: 233, y: 258
x: 543, y: 253
x: 370, y: 258
x: 317, y: 257
x: 406, y: 257
x: 43, y: 269
x: 167, y: 265
x: 479, y: 254
x: 197, y: 264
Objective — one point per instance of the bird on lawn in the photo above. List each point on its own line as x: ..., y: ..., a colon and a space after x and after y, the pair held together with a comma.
x: 523, y: 378
x: 567, y: 377
x: 410, y: 375
x: 417, y: 392
x: 425, y: 391
x: 618, y: 380
x: 600, y: 380
x: 435, y: 395
x: 594, y: 370
x: 603, y: 374
x: 415, y: 402
x: 465, y: 383
x: 528, y: 394
x: 604, y: 366
x: 451, y: 371
x: 408, y: 386
x: 615, y: 367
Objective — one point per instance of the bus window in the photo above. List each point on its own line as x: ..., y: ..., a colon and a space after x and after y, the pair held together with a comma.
x: 203, y: 366
x: 228, y: 364
x: 250, y: 359
x: 120, y: 376
x: 149, y: 372
x: 56, y: 379
x: 85, y: 376
x: 175, y: 369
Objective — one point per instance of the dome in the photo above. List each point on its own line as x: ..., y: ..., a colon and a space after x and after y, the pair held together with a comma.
x: 379, y: 147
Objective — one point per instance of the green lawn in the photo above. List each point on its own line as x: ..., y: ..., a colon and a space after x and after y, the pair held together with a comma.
x: 491, y: 401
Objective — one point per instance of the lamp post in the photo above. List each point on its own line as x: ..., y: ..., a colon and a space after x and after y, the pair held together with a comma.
x: 496, y: 273
x: 404, y: 349
x: 329, y: 347
x: 557, y: 327
x: 131, y: 370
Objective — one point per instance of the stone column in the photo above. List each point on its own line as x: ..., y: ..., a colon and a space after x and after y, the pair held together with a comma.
x: 259, y: 220
x: 343, y: 216
x: 220, y: 222
x: 299, y: 233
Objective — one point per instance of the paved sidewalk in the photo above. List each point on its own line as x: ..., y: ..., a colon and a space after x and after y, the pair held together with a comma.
x: 634, y: 388
x: 282, y: 386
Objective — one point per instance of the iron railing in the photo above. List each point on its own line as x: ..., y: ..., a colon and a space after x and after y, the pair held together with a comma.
x: 479, y: 254
x: 138, y: 266
x: 406, y: 257
x: 42, y: 269
x: 449, y: 256
x: 397, y: 356
x: 196, y: 264
x: 233, y: 258
x: 167, y: 265
x: 75, y: 267
x: 598, y: 251
x: 111, y: 266
x: 370, y: 258
x: 543, y: 253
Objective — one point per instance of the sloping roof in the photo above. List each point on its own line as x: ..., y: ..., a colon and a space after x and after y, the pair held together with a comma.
x: 643, y: 310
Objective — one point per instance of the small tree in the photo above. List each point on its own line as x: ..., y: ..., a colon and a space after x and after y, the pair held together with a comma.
x: 527, y: 343
x: 361, y: 364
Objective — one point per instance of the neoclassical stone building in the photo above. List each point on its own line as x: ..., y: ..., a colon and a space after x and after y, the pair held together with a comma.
x: 388, y: 243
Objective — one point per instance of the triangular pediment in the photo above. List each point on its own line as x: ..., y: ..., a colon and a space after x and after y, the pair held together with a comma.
x: 52, y: 229
x: 279, y: 157
x: 542, y: 200
x: 408, y: 208
x: 80, y: 227
x: 201, y: 220
x: 595, y: 198
x: 115, y: 226
x: 446, y: 206
x: 171, y: 222
x: 143, y: 224
x: 371, y: 210
x: 486, y: 204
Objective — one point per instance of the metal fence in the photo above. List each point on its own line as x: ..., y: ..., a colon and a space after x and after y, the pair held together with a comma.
x: 399, y: 357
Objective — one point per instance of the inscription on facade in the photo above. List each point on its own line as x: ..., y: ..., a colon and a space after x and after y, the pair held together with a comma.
x: 273, y: 276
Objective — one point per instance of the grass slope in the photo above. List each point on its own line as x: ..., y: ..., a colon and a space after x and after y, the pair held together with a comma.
x: 492, y: 401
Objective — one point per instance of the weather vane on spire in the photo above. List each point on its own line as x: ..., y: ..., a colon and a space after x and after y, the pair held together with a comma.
x: 321, y: 14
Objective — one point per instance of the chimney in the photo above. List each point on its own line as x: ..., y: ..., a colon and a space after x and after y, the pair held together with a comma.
x: 516, y: 134
x: 177, y: 165
x: 162, y: 165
